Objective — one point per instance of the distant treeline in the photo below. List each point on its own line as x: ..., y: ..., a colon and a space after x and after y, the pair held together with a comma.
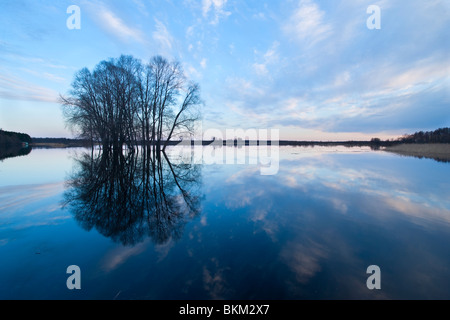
x: 61, y: 142
x: 441, y: 135
x: 8, y: 138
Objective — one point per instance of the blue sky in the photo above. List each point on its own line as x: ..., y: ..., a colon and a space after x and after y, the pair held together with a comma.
x: 310, y: 68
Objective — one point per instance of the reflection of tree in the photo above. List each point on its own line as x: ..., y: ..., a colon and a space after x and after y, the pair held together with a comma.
x: 13, y: 151
x: 129, y: 196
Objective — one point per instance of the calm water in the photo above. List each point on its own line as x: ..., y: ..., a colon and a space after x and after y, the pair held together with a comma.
x: 308, y: 232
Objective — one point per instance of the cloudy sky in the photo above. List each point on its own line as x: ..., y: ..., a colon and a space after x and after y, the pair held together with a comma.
x: 310, y: 68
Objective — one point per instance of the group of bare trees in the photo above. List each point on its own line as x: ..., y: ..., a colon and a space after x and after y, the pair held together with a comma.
x: 124, y: 101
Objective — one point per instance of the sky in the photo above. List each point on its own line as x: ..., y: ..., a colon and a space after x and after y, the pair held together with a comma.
x: 312, y: 69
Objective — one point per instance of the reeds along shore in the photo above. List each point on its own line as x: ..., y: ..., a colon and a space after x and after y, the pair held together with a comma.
x: 437, y: 151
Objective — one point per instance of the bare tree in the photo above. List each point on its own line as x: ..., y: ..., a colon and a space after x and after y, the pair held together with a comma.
x: 124, y: 101
x: 184, y: 120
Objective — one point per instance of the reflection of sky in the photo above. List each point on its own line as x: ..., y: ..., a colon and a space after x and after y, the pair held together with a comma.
x: 41, y: 165
x: 308, y: 232
x: 346, y: 210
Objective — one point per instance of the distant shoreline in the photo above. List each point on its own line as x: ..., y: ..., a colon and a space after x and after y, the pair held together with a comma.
x: 72, y: 143
x: 436, y: 151
x: 433, y: 149
x: 55, y: 145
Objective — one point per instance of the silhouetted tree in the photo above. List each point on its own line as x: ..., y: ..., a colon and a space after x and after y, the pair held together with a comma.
x: 124, y: 101
x: 12, y: 151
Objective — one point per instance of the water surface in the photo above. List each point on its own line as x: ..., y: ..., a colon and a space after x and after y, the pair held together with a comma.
x: 308, y: 232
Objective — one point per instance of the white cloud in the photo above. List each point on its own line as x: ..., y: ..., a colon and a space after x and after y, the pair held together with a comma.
x: 342, y: 79
x: 17, y: 89
x: 191, y: 72
x: 268, y: 58
x: 203, y: 63
x: 112, y: 23
x: 45, y: 75
x: 217, y: 9
x: 243, y: 88
x: 141, y: 6
x: 398, y: 81
x: 190, y: 31
x: 422, y: 74
x: 260, y: 16
x: 307, y: 23
x: 116, y: 26
x: 162, y: 35
x: 260, y: 69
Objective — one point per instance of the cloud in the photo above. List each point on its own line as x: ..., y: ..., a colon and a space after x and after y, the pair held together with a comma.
x: 45, y: 75
x: 141, y: 6
x: 114, y: 25
x: 203, y: 63
x: 12, y: 87
x: 162, y: 35
x: 216, y: 7
x: 270, y: 57
x: 307, y: 24
x: 353, y: 80
x: 191, y: 72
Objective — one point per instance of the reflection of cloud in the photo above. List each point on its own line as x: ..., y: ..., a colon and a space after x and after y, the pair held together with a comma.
x: 120, y: 255
x: 376, y: 193
x: 243, y: 198
x: 214, y: 281
x: 270, y: 226
x: 50, y: 208
x: 339, y: 205
x: 14, y: 198
x: 389, y: 190
x: 420, y: 212
x: 164, y: 249
x: 291, y: 181
x: 24, y: 207
x: 260, y: 214
x: 239, y: 176
x: 304, y: 259
x: 53, y: 221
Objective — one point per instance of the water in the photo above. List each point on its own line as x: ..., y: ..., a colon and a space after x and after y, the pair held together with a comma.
x: 308, y: 232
